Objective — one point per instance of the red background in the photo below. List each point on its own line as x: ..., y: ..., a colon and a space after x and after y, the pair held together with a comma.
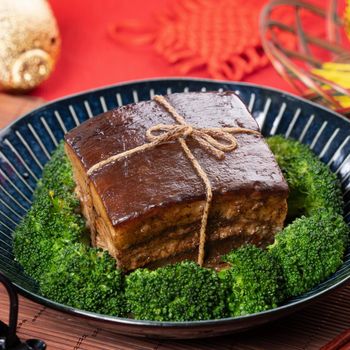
x: 89, y: 58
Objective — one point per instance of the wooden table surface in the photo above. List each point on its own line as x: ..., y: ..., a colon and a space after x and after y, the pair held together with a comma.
x: 309, y: 329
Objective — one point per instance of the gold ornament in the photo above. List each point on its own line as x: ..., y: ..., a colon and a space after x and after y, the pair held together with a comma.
x: 29, y: 44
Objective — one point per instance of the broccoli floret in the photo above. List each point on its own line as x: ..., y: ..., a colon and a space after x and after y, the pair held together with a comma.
x: 84, y: 278
x: 58, y: 176
x: 312, y: 185
x: 253, y: 281
x: 179, y: 292
x: 310, y: 249
x: 50, y: 222
x: 48, y: 243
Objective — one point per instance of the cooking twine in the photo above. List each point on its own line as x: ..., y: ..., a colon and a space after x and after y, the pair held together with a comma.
x: 215, y: 141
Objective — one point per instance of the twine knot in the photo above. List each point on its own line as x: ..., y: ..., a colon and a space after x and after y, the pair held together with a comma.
x: 216, y: 141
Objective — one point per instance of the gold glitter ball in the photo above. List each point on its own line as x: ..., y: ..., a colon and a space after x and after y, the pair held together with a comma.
x: 29, y: 44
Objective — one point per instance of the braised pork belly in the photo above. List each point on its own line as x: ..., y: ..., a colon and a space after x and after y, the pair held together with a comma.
x: 146, y: 209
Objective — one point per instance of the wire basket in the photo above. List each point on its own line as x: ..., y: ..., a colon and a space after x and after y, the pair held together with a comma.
x: 307, y: 52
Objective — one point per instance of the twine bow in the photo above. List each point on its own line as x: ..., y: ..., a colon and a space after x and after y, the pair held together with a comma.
x: 216, y: 141
x: 208, y: 138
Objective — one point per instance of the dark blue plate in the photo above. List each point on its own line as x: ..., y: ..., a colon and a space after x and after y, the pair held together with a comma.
x: 26, y: 145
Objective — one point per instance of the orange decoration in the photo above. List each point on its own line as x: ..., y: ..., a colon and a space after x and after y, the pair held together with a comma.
x: 219, y: 36
x: 347, y: 18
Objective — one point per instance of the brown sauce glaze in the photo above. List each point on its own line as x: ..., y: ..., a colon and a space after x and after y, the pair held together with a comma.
x: 164, y: 176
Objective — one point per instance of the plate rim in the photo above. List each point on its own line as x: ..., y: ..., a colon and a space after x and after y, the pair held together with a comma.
x: 145, y: 80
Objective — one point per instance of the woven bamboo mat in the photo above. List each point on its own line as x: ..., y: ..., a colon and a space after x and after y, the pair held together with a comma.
x: 308, y: 329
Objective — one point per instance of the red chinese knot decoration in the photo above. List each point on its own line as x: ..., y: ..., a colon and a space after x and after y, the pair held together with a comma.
x: 218, y: 36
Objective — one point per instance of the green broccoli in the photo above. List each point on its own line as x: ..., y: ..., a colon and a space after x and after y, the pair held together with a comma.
x: 310, y: 249
x: 42, y: 232
x: 253, y: 281
x: 49, y: 244
x: 58, y: 176
x: 179, y: 292
x: 85, y: 278
x: 312, y: 185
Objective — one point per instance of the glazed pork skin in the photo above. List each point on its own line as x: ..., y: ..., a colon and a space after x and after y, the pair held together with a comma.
x: 146, y: 209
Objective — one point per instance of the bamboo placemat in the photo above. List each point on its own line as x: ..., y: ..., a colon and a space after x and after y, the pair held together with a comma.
x: 308, y: 329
